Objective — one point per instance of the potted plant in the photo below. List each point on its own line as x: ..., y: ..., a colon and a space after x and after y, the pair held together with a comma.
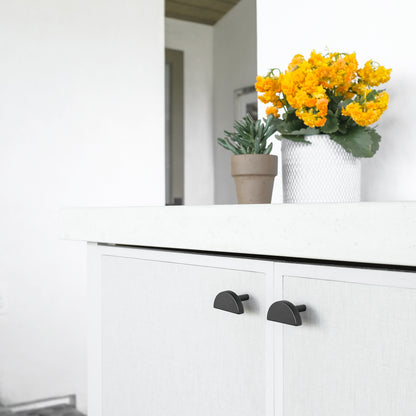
x: 252, y: 166
x: 324, y: 108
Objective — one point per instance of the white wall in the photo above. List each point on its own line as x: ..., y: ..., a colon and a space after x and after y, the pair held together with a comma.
x: 235, y: 66
x: 81, y: 104
x: 384, y: 32
x: 196, y: 40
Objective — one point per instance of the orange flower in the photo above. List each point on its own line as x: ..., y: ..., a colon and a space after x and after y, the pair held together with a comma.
x: 296, y: 61
x: 373, y: 74
x: 272, y: 110
x: 368, y: 112
x: 308, y: 86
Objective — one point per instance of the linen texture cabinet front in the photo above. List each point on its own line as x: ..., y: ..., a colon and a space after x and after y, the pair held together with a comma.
x: 355, y: 352
x: 158, y: 347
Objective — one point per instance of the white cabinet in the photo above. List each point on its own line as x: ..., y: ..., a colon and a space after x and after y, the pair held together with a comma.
x: 355, y: 353
x: 159, y: 348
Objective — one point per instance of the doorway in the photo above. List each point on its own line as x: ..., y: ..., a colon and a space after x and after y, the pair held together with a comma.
x: 174, y: 127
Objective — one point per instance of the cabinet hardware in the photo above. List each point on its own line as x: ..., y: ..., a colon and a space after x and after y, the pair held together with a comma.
x: 230, y: 302
x: 286, y: 312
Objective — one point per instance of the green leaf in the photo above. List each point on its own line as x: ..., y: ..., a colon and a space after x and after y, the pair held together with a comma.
x: 373, y: 95
x: 269, y: 121
x: 291, y: 122
x: 260, y: 131
x: 359, y: 141
x: 299, y: 139
x: 331, y: 125
x: 256, y: 149
x: 334, y: 101
x: 250, y: 136
x: 278, y: 124
x: 346, y: 102
x: 307, y: 131
x: 375, y: 137
x: 226, y: 144
x: 342, y: 128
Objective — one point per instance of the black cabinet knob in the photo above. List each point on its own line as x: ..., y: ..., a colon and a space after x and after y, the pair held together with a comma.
x: 230, y: 302
x: 285, y: 312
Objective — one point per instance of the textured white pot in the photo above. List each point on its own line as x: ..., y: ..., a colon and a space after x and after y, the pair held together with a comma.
x: 319, y: 172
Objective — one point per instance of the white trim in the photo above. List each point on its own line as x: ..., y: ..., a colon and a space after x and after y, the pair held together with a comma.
x: 391, y: 278
x: 206, y: 260
x: 270, y: 351
x: 94, y: 331
x: 277, y: 347
x: 43, y: 404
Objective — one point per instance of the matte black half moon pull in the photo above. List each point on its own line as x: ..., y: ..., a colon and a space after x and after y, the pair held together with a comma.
x: 230, y: 302
x: 285, y: 312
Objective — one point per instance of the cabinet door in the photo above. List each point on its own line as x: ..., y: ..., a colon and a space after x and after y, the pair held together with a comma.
x: 355, y: 354
x: 162, y: 349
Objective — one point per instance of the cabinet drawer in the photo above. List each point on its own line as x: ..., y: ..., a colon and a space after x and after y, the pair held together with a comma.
x: 165, y: 350
x: 355, y: 352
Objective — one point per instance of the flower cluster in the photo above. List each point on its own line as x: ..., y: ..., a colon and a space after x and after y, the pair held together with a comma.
x: 367, y: 112
x: 309, y: 87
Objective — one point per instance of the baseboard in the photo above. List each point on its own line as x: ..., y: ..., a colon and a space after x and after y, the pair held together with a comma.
x: 44, y: 403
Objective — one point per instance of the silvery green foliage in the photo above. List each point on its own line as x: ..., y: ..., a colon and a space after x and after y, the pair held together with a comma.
x: 250, y: 136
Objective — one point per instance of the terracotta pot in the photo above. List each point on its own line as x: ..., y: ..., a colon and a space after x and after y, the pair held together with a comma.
x: 254, y: 177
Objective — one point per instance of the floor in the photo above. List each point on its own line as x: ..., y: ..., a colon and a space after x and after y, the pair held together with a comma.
x: 63, y: 410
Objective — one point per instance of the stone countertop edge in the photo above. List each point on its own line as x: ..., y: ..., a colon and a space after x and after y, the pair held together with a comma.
x: 365, y: 232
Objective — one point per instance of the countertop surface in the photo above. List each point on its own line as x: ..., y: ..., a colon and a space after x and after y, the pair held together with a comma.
x: 367, y: 232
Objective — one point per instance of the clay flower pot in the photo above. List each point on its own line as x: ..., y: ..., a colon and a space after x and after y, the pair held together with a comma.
x: 254, y: 177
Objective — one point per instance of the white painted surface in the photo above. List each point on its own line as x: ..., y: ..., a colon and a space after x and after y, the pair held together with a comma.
x: 3, y: 299
x: 164, y: 347
x: 389, y: 176
x: 196, y: 40
x: 235, y: 66
x: 94, y: 338
x: 382, y: 233
x: 80, y: 124
x: 354, y: 353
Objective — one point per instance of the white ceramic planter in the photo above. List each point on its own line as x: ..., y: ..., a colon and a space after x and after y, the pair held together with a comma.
x: 319, y: 172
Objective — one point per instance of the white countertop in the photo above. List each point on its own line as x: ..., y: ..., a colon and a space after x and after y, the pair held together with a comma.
x: 379, y: 233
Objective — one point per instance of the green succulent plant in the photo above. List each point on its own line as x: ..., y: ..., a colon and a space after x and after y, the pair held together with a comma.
x: 250, y: 136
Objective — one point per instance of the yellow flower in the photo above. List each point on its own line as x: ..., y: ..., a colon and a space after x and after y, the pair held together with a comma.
x: 368, y: 112
x: 296, y: 61
x: 360, y: 88
x: 272, y: 110
x: 316, y: 59
x: 271, y: 89
x: 310, y: 118
x: 322, y: 106
x: 308, y: 86
x: 373, y: 74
